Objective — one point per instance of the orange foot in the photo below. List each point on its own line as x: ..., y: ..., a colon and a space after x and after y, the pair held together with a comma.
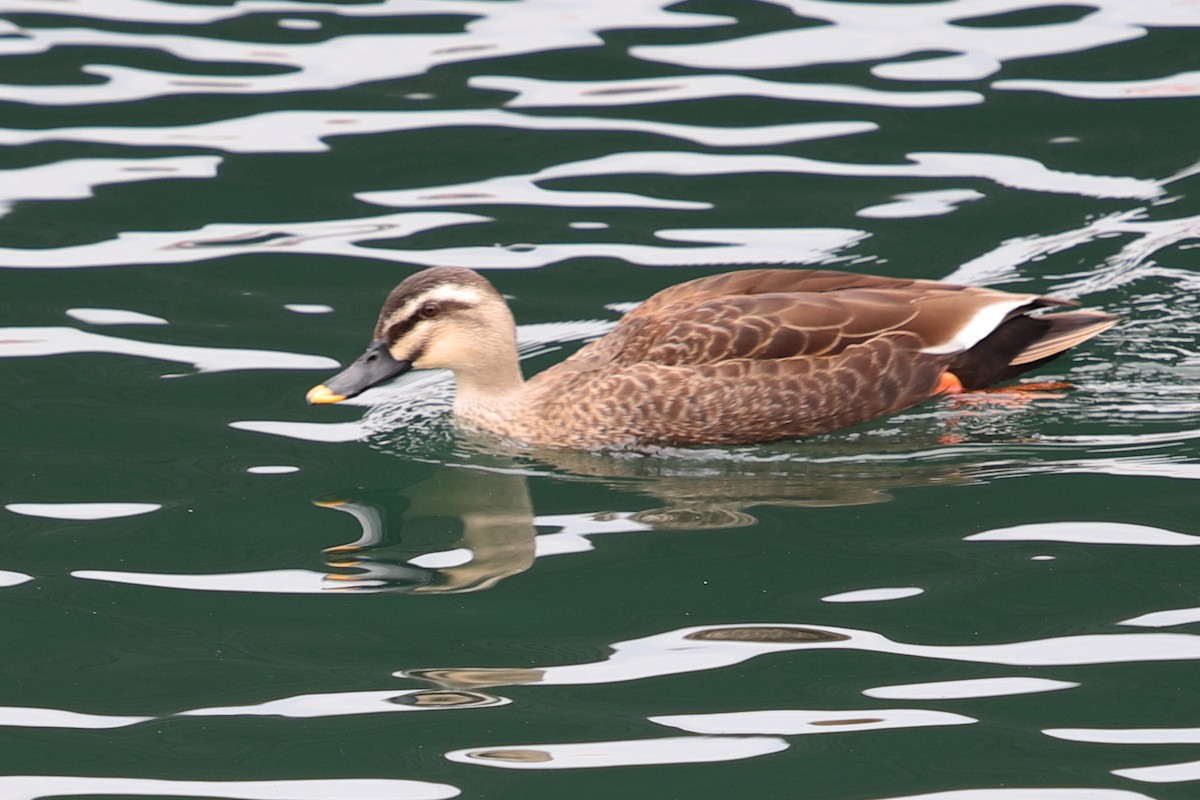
x: 949, y: 384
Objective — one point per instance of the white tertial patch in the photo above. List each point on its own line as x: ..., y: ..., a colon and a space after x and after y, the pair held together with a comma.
x: 985, y: 320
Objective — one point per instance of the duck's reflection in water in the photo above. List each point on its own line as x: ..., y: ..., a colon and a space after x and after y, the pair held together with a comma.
x: 407, y: 542
x: 397, y: 552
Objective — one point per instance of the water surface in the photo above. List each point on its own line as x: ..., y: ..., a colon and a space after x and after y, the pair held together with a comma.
x: 212, y: 590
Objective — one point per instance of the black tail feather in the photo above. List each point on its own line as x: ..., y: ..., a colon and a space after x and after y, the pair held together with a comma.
x: 1023, y: 343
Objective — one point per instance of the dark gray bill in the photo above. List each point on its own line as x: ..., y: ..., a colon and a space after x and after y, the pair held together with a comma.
x: 372, y: 368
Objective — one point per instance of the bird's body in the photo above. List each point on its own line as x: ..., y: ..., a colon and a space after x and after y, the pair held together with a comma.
x: 746, y: 356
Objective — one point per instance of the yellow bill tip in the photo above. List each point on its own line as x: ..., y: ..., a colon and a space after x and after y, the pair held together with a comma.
x: 330, y: 504
x: 322, y: 394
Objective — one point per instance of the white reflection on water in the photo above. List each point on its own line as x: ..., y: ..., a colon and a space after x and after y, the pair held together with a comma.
x: 305, y: 706
x: 113, y: 316
x: 577, y: 530
x: 77, y: 511
x: 802, y: 722
x: 1180, y: 467
x: 336, y: 704
x: 921, y: 204
x: 859, y: 32
x: 345, y: 238
x: 331, y: 432
x: 308, y: 308
x: 1183, y: 84
x: 1148, y: 236
x: 498, y: 30
x: 305, y: 131
x: 27, y: 342
x: 874, y: 595
x: 75, y: 179
x: 1087, y: 533
x: 188, y: 14
x: 723, y: 246
x: 537, y: 93
x: 220, y: 240
x: 1164, y: 773
x: 1028, y: 793
x: 972, y: 688
x: 872, y: 31
x: 715, y: 647
x: 16, y: 717
x: 587, y: 755
x: 275, y: 581
x: 33, y: 787
x: 8, y: 578
x: 1127, y: 735
x: 1164, y: 619
x: 1011, y: 171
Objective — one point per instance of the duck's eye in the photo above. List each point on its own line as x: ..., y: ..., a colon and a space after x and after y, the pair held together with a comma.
x: 429, y: 310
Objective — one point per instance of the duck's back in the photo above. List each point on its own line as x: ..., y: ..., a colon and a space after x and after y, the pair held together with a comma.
x: 765, y: 354
x: 746, y: 356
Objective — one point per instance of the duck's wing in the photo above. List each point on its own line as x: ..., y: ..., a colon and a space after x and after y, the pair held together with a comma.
x: 773, y: 281
x: 937, y: 320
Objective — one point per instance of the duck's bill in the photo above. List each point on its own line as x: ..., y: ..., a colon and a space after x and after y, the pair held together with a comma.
x: 372, y: 368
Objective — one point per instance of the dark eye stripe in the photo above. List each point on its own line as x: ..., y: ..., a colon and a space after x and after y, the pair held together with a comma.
x: 394, y: 332
x: 399, y: 329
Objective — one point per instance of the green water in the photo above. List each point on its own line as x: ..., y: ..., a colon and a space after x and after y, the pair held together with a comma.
x: 506, y: 623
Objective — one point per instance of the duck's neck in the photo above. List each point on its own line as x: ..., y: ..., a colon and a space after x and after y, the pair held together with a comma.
x: 486, y: 394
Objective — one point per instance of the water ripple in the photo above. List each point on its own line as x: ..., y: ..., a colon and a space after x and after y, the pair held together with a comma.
x: 76, y: 178
x: 1182, y: 84
x: 869, y: 32
x: 591, y: 755
x: 497, y: 30
x: 1011, y: 171
x: 32, y: 787
x: 306, y: 131
x: 805, y: 722
x: 28, y: 342
x: 536, y: 93
x: 706, y: 648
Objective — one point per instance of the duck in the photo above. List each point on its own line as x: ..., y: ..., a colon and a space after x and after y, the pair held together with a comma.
x: 750, y: 356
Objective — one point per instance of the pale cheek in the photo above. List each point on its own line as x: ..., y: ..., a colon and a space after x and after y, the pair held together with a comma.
x: 443, y: 354
x: 431, y: 358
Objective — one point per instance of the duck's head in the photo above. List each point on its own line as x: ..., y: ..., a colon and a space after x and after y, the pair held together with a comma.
x: 444, y: 317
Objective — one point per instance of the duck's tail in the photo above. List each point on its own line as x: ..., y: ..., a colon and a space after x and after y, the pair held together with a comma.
x: 1025, y: 342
